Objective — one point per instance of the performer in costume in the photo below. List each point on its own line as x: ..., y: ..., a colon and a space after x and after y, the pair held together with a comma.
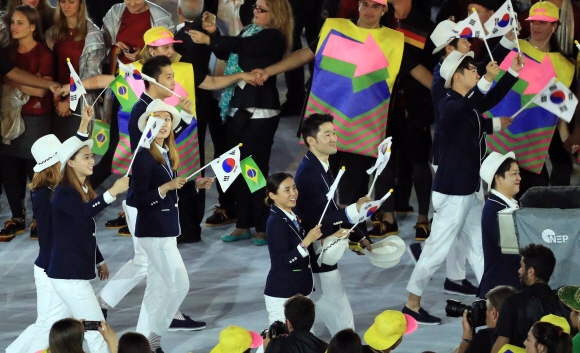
x: 49, y: 306
x: 252, y: 113
x: 456, y: 196
x: 502, y: 175
x: 135, y: 270
x: 314, y: 178
x: 155, y: 195
x: 290, y: 261
x: 532, y: 135
x: 75, y: 252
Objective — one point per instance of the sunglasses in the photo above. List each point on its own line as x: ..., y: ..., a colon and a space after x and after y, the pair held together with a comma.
x: 259, y: 9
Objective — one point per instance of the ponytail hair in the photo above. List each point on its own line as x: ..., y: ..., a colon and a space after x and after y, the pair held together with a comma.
x: 273, y: 183
x: 552, y: 337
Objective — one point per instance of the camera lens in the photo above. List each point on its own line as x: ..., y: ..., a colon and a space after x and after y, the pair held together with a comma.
x: 455, y: 308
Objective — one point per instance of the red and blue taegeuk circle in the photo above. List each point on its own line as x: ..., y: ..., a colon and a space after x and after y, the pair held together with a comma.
x: 557, y: 97
x: 372, y: 210
x: 228, y: 165
x: 505, y: 20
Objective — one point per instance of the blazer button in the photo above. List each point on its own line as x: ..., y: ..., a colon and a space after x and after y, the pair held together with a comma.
x: 175, y: 205
x: 309, y: 266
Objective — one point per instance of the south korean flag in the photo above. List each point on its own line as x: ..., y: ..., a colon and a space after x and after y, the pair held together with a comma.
x: 469, y: 28
x: 502, y: 21
x: 558, y: 99
x: 227, y: 167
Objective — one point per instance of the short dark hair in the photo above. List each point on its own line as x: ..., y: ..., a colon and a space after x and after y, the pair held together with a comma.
x: 453, y: 43
x: 299, y: 310
x: 133, y: 342
x: 503, y: 168
x: 154, y: 66
x: 311, y: 125
x: 498, y: 294
x: 345, y: 341
x: 464, y: 64
x: 541, y: 259
x: 273, y: 183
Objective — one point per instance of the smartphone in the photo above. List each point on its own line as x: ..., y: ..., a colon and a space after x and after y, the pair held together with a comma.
x: 92, y: 325
x: 209, y: 17
x: 188, y: 25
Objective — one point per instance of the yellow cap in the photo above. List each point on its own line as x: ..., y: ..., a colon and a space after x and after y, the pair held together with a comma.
x: 544, y: 11
x: 235, y: 339
x: 158, y: 36
x: 557, y: 321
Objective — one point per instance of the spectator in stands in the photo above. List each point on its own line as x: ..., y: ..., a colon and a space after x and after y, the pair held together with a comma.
x: 43, y: 7
x: 545, y: 337
x: 521, y: 310
x: 133, y: 342
x: 387, y: 332
x: 481, y: 342
x: 299, y: 312
x: 66, y: 336
x: 345, y: 341
x: 570, y: 296
x: 235, y: 339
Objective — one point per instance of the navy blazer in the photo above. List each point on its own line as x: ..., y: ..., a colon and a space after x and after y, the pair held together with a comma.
x: 290, y: 273
x: 313, y: 183
x: 42, y: 211
x: 156, y: 216
x: 74, y: 250
x: 499, y: 269
x: 462, y: 140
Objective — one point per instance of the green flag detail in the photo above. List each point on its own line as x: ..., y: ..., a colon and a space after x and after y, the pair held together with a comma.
x: 101, y: 137
x: 252, y: 174
x: 124, y: 93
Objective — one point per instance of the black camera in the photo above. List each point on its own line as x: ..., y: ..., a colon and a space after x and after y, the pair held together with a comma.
x: 276, y: 329
x: 475, y: 311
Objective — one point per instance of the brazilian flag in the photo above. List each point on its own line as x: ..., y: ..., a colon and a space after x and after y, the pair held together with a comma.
x: 252, y: 174
x: 101, y: 137
x: 124, y: 93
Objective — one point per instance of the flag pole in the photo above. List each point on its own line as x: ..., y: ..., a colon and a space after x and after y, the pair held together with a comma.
x: 160, y: 85
x: 328, y: 202
x: 483, y: 38
x: 524, y: 107
x: 373, y: 184
x: 323, y: 212
x: 99, y: 96
x: 132, y: 159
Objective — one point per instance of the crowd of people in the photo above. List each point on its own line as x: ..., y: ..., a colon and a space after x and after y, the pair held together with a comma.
x: 378, y: 70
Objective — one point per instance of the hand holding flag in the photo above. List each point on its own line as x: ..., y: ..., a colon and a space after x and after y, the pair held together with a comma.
x: 76, y: 87
x: 368, y: 208
x: 384, y: 154
x: 331, y: 191
x: 471, y: 27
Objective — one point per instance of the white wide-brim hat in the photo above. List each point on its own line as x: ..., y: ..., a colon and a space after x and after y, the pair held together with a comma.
x: 70, y: 147
x: 159, y: 106
x: 450, y: 65
x: 332, y: 250
x: 443, y: 35
x: 44, y: 151
x: 387, y: 252
x: 490, y: 166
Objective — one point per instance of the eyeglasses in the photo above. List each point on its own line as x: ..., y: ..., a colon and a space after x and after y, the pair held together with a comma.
x: 259, y: 9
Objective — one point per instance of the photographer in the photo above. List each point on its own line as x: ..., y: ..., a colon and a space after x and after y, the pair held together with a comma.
x: 299, y: 313
x: 535, y: 300
x: 481, y: 342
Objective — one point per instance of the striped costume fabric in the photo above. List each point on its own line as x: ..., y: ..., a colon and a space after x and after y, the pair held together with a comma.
x: 531, y: 132
x: 354, y: 72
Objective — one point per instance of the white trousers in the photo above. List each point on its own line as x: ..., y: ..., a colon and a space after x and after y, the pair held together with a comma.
x: 167, y: 282
x: 457, y: 219
x: 455, y: 260
x: 49, y: 307
x: 79, y: 297
x: 331, y: 302
x: 275, y: 307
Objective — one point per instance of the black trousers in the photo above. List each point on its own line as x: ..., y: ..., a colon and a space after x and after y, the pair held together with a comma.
x: 306, y: 17
x: 257, y: 138
x: 15, y: 171
x: 354, y: 184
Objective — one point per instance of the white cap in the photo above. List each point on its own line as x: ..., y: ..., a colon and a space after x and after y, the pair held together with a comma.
x: 159, y: 106
x: 44, y: 151
x: 443, y: 35
x: 333, y: 250
x: 387, y: 252
x: 70, y: 147
x: 491, y: 164
x: 450, y: 65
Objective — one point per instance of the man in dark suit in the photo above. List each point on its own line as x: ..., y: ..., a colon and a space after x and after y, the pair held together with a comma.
x: 457, y: 196
x: 313, y: 179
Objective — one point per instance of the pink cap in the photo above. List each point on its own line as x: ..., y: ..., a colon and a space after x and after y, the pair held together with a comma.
x: 382, y: 2
x: 257, y: 340
x: 164, y: 41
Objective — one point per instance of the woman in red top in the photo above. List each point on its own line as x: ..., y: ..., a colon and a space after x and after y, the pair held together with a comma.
x: 43, y: 7
x: 73, y: 36
x: 29, y: 54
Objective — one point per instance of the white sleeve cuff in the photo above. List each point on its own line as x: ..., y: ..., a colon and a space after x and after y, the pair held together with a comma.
x: 484, y: 85
x: 83, y: 134
x: 301, y: 250
x: 186, y: 117
x: 506, y: 43
x: 159, y: 190
x: 513, y: 73
x: 351, y: 212
x: 496, y: 124
x: 108, y: 197
x: 100, y: 263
